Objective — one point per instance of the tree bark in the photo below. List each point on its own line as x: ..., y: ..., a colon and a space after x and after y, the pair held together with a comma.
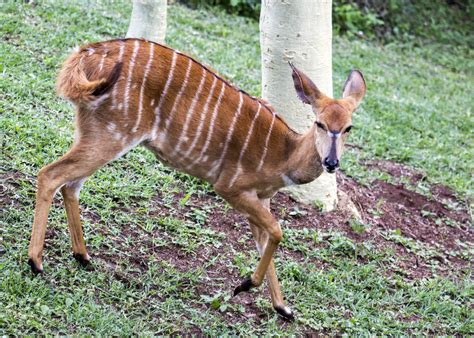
x: 148, y: 20
x: 299, y: 31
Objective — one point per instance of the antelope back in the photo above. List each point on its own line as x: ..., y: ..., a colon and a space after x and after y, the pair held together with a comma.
x: 189, y: 116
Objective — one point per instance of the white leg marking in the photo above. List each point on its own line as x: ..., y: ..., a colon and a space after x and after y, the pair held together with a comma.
x: 129, y: 146
x: 211, y: 127
x: 142, y: 89
x: 154, y: 130
x: 119, y: 59
x: 102, y: 59
x: 76, y: 186
x: 230, y: 133
x: 129, y: 78
x: 178, y: 98
x: 182, y: 136
x: 265, y: 147
x: 202, y: 119
x: 244, y: 148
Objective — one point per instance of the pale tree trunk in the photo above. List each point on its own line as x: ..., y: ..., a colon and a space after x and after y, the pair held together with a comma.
x: 299, y: 31
x: 148, y: 20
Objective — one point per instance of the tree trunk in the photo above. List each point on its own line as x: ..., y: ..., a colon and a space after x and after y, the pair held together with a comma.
x: 299, y: 31
x: 148, y: 20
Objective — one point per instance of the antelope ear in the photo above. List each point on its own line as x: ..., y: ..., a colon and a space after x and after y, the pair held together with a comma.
x: 354, y: 88
x: 305, y: 88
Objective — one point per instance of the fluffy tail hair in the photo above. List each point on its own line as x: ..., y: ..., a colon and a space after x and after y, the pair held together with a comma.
x: 74, y: 85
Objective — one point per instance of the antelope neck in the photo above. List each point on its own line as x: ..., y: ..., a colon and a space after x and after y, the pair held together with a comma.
x: 304, y: 163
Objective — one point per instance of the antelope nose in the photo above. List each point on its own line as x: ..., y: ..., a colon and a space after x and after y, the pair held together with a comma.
x: 331, y: 164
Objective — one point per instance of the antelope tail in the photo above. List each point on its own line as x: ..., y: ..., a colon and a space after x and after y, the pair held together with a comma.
x: 74, y: 85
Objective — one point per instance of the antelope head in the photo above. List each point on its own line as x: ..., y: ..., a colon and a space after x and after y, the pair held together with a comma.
x: 333, y: 117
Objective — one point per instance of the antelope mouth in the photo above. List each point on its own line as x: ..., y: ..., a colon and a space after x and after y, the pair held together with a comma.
x: 330, y: 170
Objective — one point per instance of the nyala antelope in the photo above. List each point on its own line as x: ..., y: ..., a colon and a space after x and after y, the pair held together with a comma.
x: 131, y: 92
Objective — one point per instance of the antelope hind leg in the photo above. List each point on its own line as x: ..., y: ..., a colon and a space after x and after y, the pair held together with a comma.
x: 81, y: 161
x: 70, y: 192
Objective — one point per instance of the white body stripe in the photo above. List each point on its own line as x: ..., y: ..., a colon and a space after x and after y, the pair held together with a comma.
x: 102, y: 59
x: 129, y: 78
x: 97, y: 102
x: 190, y: 113
x: 154, y: 130
x: 178, y: 98
x: 230, y: 133
x: 142, y: 89
x: 211, y: 127
x: 244, y: 148
x: 265, y: 147
x: 119, y: 59
x: 202, y: 119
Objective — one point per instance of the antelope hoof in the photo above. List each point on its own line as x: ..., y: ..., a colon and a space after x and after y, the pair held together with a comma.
x: 83, y: 260
x: 246, y: 285
x: 35, y: 268
x: 285, y: 312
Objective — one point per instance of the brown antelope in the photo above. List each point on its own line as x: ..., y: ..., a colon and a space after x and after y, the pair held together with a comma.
x: 131, y: 92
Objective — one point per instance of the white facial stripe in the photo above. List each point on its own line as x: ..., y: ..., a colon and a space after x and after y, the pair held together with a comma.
x: 163, y: 95
x: 331, y: 134
x: 244, y: 148
x: 211, y: 126
x: 142, y: 89
x: 182, y: 136
x: 119, y: 59
x: 129, y: 78
x: 178, y: 97
x: 203, y: 116
x: 230, y: 133
x: 265, y: 147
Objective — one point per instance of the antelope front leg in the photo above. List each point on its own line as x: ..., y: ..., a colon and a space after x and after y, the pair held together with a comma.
x: 273, y: 284
x: 250, y: 205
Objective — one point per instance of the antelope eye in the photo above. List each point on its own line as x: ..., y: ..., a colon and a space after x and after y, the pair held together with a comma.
x: 320, y: 125
x: 348, y: 129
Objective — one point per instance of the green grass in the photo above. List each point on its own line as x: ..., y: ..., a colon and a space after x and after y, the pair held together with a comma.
x: 417, y: 111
